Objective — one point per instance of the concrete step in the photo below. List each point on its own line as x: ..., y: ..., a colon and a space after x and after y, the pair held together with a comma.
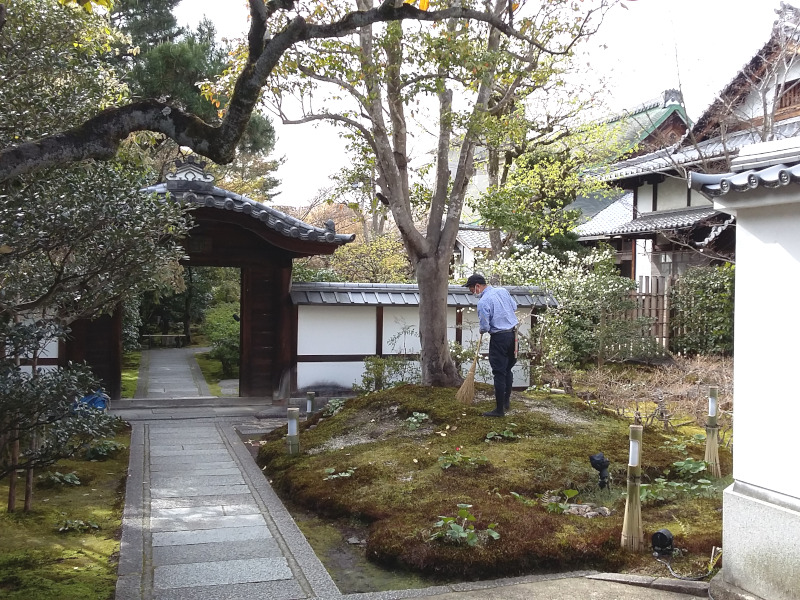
x: 191, y: 402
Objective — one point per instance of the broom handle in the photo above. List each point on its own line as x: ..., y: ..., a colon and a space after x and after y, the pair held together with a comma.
x: 477, y: 352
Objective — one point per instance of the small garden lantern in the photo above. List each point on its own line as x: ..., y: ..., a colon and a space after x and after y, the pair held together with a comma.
x: 293, y: 432
x: 632, y: 533
x: 310, y: 402
x: 712, y: 433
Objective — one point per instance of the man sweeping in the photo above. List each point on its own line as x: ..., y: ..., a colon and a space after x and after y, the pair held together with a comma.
x: 496, y: 314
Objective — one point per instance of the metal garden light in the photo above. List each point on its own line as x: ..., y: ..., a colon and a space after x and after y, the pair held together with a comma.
x: 310, y: 397
x: 712, y: 433
x: 293, y: 431
x: 632, y: 534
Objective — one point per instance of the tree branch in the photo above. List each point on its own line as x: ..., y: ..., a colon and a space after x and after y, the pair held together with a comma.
x: 341, y: 83
x: 365, y: 133
x: 100, y: 136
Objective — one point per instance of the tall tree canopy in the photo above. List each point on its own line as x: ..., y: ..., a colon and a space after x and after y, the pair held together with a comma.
x: 375, y: 86
x: 148, y: 22
x: 75, y: 239
x: 101, y: 135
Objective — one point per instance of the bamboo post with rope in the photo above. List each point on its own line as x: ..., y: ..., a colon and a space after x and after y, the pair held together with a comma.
x: 632, y: 534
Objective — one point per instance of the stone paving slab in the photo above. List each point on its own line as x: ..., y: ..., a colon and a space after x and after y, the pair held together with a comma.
x: 173, y: 555
x: 156, y: 452
x: 160, y: 479
x: 268, y: 590
x: 200, y: 490
x: 189, y: 459
x: 248, y: 570
x: 183, y: 523
x: 192, y: 501
x: 227, y: 467
x: 208, y: 430
x: 249, y: 508
x: 205, y: 536
x: 196, y: 444
x: 188, y: 512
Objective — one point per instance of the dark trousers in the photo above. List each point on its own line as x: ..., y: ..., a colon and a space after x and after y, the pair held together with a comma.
x: 502, y: 359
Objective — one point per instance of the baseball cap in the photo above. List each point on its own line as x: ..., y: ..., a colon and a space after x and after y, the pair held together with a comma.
x: 475, y: 279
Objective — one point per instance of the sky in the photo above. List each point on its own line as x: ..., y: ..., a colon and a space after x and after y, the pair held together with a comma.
x: 642, y: 49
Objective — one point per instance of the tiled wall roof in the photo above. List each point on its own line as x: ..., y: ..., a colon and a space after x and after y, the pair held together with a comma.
x: 720, y: 184
x: 669, y: 158
x: 401, y: 294
x: 191, y: 184
x: 666, y: 220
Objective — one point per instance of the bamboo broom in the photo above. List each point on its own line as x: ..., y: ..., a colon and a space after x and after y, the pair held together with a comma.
x: 466, y: 393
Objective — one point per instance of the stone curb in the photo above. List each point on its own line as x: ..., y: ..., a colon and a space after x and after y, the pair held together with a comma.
x: 464, y: 587
x: 679, y: 586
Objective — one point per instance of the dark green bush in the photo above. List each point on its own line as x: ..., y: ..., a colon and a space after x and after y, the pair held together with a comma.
x: 702, y: 311
x: 222, y: 331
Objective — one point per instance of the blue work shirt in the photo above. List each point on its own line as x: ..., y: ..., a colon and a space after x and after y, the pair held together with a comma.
x: 496, y: 310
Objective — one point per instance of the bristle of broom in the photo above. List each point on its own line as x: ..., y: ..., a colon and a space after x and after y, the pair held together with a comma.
x: 466, y: 393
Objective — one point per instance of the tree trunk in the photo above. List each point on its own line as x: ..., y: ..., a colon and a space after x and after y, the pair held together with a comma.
x: 12, y: 476
x: 187, y: 310
x: 28, y: 504
x: 33, y: 443
x: 438, y: 368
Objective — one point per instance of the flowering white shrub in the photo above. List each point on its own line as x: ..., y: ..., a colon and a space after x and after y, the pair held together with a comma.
x: 589, y: 323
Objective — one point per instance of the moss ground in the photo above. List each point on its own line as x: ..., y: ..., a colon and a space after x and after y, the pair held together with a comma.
x: 388, y: 476
x: 130, y: 373
x: 212, y: 372
x: 37, y: 562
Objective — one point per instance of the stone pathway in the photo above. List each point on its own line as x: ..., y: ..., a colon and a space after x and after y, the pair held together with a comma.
x: 171, y: 373
x: 201, y: 522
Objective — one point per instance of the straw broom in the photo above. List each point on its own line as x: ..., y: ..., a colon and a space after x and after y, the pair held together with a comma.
x: 466, y: 393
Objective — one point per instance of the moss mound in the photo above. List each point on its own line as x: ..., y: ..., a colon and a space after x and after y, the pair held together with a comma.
x: 376, y: 461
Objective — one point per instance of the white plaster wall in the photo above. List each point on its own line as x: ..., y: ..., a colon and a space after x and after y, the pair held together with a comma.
x: 766, y: 396
x: 644, y: 268
x: 335, y: 330
x: 698, y: 200
x: 671, y: 194
x: 395, y: 320
x: 51, y: 350
x: 470, y: 328
x: 342, y: 374
x: 644, y: 199
x: 29, y: 370
x: 351, y: 330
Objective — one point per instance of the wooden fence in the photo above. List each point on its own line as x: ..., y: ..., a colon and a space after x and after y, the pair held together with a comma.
x: 652, y: 302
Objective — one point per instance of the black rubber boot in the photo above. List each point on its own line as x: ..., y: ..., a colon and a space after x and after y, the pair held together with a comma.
x: 498, y: 410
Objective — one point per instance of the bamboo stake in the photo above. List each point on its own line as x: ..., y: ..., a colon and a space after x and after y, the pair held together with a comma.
x: 712, y: 433
x: 632, y: 533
